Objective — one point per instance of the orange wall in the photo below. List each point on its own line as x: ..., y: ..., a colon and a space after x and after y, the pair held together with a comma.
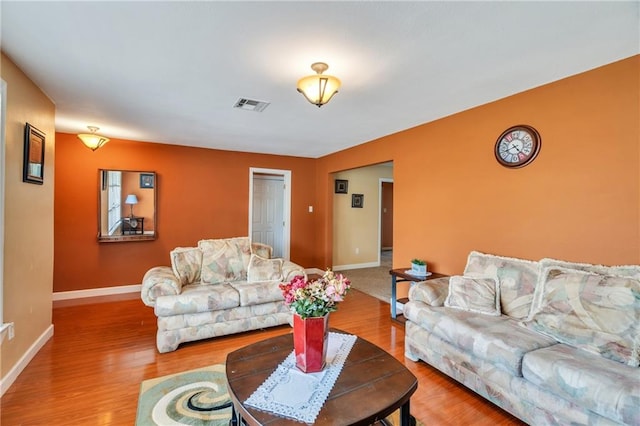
x: 202, y: 193
x: 579, y: 200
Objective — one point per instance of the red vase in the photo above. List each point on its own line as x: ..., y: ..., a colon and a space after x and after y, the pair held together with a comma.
x: 310, y: 337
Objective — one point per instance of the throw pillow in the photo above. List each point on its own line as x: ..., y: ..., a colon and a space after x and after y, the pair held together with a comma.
x: 597, y: 313
x: 261, y: 269
x: 474, y: 294
x: 186, y: 263
x: 262, y: 250
x: 517, y: 278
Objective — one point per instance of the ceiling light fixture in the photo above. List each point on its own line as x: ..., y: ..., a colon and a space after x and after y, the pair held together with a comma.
x: 318, y: 88
x: 92, y: 140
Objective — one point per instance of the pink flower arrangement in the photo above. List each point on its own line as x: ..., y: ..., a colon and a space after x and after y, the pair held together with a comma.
x: 318, y: 297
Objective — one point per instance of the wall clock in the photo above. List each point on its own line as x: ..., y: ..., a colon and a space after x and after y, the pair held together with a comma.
x: 517, y: 146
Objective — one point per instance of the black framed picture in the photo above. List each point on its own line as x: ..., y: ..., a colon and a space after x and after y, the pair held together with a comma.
x: 146, y: 180
x: 357, y: 201
x: 341, y: 186
x: 33, y: 165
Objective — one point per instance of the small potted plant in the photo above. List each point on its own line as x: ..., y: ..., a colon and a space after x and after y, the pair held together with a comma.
x: 418, y: 267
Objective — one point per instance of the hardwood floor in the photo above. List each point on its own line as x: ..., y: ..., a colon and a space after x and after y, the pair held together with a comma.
x: 90, y: 372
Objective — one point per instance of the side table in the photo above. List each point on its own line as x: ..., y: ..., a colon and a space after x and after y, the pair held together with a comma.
x: 132, y: 225
x: 400, y: 275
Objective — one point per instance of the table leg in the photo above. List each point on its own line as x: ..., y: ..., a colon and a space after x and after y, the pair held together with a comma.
x: 236, y: 418
x: 393, y: 296
x: 405, y: 416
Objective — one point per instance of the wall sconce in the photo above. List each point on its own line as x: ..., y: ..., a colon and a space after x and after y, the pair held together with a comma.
x: 92, y: 140
x: 318, y: 88
x: 131, y: 200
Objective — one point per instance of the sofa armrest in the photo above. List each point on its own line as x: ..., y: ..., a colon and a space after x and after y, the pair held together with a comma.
x: 290, y: 270
x: 159, y: 281
x: 432, y: 292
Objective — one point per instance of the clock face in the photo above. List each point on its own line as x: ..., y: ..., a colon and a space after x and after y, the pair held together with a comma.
x: 517, y: 146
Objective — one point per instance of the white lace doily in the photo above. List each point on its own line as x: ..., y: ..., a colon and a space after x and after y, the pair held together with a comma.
x: 290, y: 393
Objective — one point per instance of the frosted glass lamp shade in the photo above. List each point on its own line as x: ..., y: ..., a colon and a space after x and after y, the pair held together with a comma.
x: 92, y: 140
x: 319, y: 88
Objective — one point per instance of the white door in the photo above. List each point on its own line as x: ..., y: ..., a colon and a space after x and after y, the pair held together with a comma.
x: 267, y: 224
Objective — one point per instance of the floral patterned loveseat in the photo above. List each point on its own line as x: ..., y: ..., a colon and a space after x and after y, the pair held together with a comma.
x: 551, y: 342
x: 220, y: 287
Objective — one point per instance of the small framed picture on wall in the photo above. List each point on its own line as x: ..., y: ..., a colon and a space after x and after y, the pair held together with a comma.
x: 342, y: 186
x: 357, y: 201
x: 146, y: 180
x: 33, y: 165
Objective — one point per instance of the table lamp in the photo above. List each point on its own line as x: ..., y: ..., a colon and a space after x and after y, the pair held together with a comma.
x: 131, y: 200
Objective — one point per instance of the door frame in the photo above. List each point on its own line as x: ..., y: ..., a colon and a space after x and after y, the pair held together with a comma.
x: 380, y: 182
x: 3, y: 121
x: 286, y: 205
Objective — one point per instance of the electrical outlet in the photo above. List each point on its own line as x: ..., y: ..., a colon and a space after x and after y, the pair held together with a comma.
x: 11, y: 331
x: 357, y: 250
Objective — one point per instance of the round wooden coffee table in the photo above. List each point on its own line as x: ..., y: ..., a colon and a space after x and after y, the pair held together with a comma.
x: 371, y: 386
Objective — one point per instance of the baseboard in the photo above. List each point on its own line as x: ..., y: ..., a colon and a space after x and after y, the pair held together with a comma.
x: 314, y: 271
x: 95, y: 292
x: 12, y: 375
x: 356, y: 266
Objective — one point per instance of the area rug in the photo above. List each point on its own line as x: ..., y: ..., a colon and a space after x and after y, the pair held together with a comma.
x: 196, y: 397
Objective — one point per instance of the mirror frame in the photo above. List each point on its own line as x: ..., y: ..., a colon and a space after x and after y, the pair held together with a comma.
x: 127, y: 238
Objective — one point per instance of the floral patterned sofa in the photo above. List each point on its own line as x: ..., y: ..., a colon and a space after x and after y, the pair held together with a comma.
x: 551, y: 342
x: 220, y: 287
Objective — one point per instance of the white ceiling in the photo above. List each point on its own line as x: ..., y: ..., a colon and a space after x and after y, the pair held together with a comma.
x: 170, y: 72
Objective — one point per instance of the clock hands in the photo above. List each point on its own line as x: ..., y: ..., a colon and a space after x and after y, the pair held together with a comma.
x: 513, y: 145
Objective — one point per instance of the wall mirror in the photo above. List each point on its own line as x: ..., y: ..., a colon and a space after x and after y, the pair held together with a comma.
x: 126, y: 205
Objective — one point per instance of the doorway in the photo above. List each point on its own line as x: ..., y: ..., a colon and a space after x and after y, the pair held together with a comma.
x: 385, y: 244
x: 270, y: 209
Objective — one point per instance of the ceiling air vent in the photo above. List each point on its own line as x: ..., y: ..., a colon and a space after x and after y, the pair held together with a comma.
x: 251, y: 105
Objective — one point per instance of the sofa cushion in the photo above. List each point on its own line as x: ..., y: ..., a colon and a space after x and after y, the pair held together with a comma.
x: 598, y: 313
x: 631, y: 271
x: 223, y: 316
x: 606, y: 387
x: 499, y: 340
x: 517, y: 278
x: 258, y: 292
x: 480, y: 295
x: 224, y: 259
x: 261, y: 269
x: 198, y: 298
x: 186, y: 263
